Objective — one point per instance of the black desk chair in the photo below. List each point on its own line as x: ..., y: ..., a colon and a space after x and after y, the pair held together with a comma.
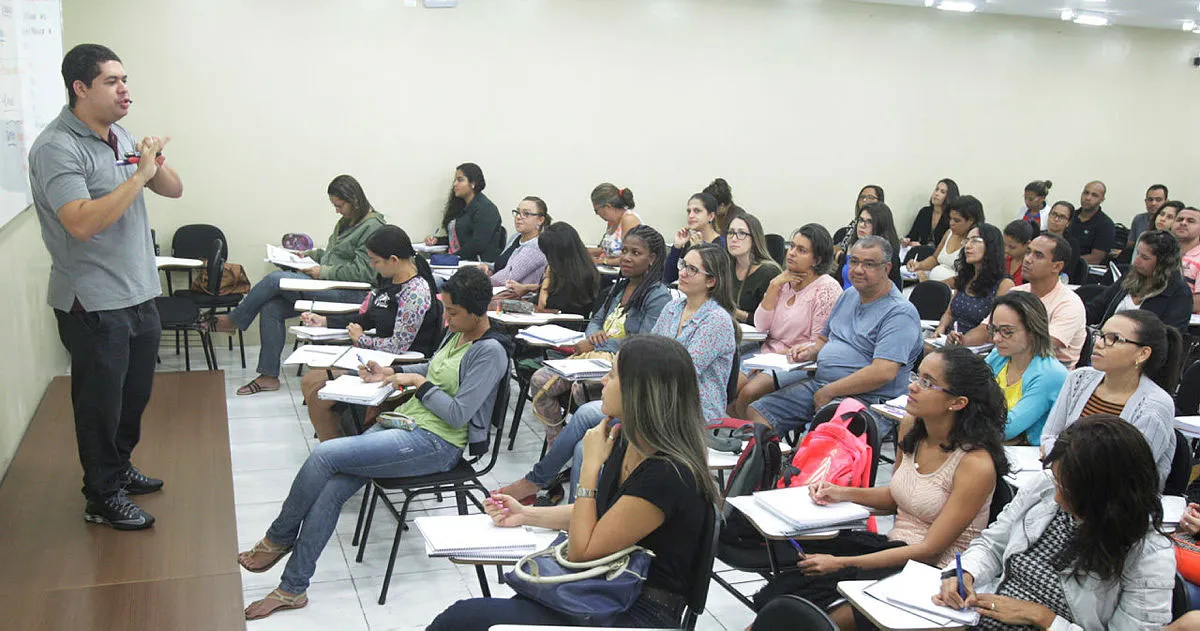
x: 698, y: 597
x: 180, y: 314
x: 777, y: 246
x: 931, y: 297
x: 789, y: 613
x: 1181, y: 467
x: 193, y: 241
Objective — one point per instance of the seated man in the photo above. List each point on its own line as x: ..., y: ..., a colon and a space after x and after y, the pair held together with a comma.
x: 1187, y: 232
x: 869, y: 344
x: 1068, y: 318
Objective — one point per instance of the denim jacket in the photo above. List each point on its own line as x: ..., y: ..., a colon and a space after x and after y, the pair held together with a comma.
x: 1139, y: 599
x: 639, y: 320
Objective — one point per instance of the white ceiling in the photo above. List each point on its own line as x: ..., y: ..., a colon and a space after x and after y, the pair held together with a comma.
x: 1164, y: 14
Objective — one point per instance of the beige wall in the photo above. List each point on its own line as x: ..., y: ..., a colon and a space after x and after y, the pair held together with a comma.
x: 28, y: 336
x: 796, y: 103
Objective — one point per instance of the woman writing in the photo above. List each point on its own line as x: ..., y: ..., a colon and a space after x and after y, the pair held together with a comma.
x: 471, y: 222
x: 1135, y: 365
x: 753, y: 267
x: 398, y: 309
x: 615, y: 206
x: 522, y: 260
x: 793, y: 311
x: 344, y: 258
x: 701, y: 228
x: 947, y: 465
x: 979, y: 281
x: 655, y: 491
x: 1082, y: 549
x: 1153, y: 282
x: 932, y: 221
x: 1024, y: 364
x: 965, y: 213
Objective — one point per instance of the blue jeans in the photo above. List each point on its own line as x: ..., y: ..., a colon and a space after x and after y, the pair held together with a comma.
x: 791, y: 407
x: 273, y: 306
x: 333, y: 473
x: 479, y: 614
x: 569, y: 441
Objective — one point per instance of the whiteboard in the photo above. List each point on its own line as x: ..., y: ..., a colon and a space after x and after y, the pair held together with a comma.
x: 31, y: 91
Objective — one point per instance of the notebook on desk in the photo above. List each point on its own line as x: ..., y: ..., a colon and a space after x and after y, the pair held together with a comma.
x: 287, y: 258
x: 775, y: 361
x: 796, y: 508
x: 351, y: 389
x: 913, y: 589
x: 345, y: 357
x: 475, y: 536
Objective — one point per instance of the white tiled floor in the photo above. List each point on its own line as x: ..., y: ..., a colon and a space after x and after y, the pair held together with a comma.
x: 270, y: 437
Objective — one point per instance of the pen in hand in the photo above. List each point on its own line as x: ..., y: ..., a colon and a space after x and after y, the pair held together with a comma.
x: 799, y: 550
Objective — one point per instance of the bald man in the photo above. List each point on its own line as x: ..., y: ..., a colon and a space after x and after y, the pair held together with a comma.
x: 1093, y: 229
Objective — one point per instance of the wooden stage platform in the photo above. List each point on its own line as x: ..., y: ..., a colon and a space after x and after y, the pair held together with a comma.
x: 59, y: 572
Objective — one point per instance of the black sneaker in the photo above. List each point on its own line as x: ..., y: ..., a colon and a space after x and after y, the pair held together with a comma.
x: 117, y: 511
x: 134, y: 482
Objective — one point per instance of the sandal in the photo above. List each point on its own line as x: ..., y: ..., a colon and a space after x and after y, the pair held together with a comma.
x: 299, y: 601
x: 264, y: 546
x: 254, y: 387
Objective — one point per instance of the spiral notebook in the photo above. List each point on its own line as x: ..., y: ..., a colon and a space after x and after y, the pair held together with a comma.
x: 475, y: 535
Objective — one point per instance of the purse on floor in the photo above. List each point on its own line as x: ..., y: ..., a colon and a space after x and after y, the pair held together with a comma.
x: 592, y: 593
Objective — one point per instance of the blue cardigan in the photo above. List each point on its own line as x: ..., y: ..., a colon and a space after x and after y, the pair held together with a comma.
x: 1040, y: 385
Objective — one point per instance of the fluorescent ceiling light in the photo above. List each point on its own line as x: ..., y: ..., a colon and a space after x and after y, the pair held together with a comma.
x: 960, y: 6
x: 1088, y: 19
x: 1067, y: 15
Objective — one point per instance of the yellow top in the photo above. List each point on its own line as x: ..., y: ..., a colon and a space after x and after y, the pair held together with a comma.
x: 1012, y: 394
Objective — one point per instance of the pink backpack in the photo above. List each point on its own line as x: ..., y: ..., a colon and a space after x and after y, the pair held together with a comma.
x: 832, y: 453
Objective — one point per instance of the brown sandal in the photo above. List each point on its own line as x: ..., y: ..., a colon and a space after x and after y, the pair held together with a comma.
x: 264, y: 546
x: 299, y: 601
x: 254, y: 387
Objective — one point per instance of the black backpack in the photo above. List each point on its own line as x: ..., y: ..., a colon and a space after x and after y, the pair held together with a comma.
x: 757, y: 469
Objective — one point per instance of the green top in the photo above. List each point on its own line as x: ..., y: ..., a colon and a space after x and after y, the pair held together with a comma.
x: 443, y: 373
x: 345, y: 255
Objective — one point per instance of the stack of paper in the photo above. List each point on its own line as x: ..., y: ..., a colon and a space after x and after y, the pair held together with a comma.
x: 1173, y: 508
x: 794, y: 507
x: 940, y: 341
x: 346, y: 357
x: 913, y: 590
x: 774, y: 361
x: 312, y: 284
x: 751, y: 334
x: 579, y: 369
x: 351, y: 389
x: 429, y: 249
x: 475, y: 536
x: 895, y: 408
x: 287, y: 258
x: 316, y: 355
x: 552, y: 334
x: 320, y: 306
x: 1024, y: 458
x: 319, y: 333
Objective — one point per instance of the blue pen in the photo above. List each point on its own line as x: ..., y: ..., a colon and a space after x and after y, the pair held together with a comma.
x: 795, y: 545
x: 363, y: 363
x: 962, y: 588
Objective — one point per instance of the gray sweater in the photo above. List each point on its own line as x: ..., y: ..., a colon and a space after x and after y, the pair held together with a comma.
x: 1150, y: 409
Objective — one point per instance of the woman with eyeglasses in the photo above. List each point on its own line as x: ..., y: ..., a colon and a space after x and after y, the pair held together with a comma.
x: 753, y: 267
x: 1135, y: 365
x: 1057, y: 222
x: 965, y: 213
x: 701, y: 228
x: 948, y: 461
x: 1024, y: 364
x: 615, y: 206
x: 1153, y: 282
x: 522, y: 261
x: 979, y: 281
x: 1080, y: 549
x: 874, y: 219
x: 868, y: 194
x: 932, y: 221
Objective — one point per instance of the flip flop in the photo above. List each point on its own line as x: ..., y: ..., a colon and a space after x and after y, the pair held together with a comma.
x: 299, y: 601
x: 254, y: 387
x: 264, y: 546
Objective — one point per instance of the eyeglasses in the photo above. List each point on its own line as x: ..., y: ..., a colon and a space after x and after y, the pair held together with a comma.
x: 974, y: 240
x: 866, y: 222
x: 687, y: 269
x: 525, y: 213
x: 1110, y: 339
x: 868, y: 197
x: 925, y: 384
x: 870, y: 266
x: 737, y: 234
x: 1006, y: 331
x: 1060, y: 216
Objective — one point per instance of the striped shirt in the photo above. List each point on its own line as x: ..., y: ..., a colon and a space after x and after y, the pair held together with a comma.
x: 1096, y: 405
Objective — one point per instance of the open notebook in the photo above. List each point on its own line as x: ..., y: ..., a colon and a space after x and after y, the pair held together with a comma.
x: 913, y: 589
x: 345, y: 357
x: 288, y: 258
x: 476, y: 536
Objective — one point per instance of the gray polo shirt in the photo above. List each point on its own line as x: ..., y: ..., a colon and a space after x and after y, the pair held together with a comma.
x: 114, y: 269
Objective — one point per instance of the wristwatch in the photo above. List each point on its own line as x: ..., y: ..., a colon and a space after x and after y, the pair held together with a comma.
x: 581, y: 492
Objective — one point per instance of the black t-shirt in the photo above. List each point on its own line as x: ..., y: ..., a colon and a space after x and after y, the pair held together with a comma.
x: 922, y: 233
x: 676, y: 543
x: 1098, y: 233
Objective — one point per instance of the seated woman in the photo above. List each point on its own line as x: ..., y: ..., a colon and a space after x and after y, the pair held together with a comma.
x: 1058, y: 220
x: 471, y: 222
x: 947, y: 465
x: 655, y: 491
x: 701, y: 228
x: 1017, y: 235
x: 1024, y: 364
x: 793, y: 311
x: 753, y: 267
x: 874, y: 219
x: 868, y: 194
x: 932, y: 221
x: 1034, y: 210
x: 632, y: 306
x: 1166, y: 221
x: 979, y: 281
x: 615, y: 206
x: 723, y: 193
x: 398, y: 309
x: 965, y: 213
x: 702, y: 321
x: 522, y: 260
x: 1153, y: 283
x: 1135, y: 365
x: 344, y: 258
x: 1083, y: 549
x: 452, y: 407
x: 570, y: 283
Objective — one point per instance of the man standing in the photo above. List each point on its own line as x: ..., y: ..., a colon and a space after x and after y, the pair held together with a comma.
x: 88, y: 196
x: 1187, y: 232
x: 1093, y: 229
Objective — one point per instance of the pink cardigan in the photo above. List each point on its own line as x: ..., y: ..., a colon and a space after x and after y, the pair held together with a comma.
x: 802, y: 321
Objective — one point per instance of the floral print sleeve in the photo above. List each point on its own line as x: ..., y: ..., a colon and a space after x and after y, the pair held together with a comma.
x: 411, y: 304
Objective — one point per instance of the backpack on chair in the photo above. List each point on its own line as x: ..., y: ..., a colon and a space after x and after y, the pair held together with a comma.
x: 757, y: 469
x: 831, y: 452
